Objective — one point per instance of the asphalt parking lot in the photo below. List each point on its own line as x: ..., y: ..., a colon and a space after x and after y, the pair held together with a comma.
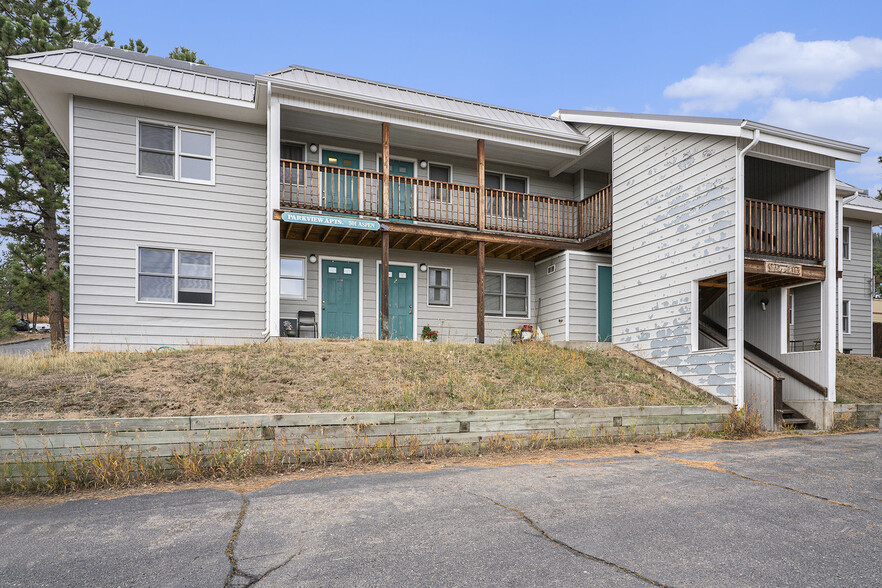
x: 26, y: 347
x: 801, y: 511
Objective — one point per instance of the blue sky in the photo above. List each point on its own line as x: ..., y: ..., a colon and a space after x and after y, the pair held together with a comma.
x: 811, y: 66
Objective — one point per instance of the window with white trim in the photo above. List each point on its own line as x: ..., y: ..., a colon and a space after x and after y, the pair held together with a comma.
x: 292, y: 174
x: 293, y: 278
x: 175, y: 276
x: 846, y: 317
x: 503, y: 205
x: 439, y: 173
x: 846, y: 242
x: 439, y: 286
x: 176, y: 153
x: 506, y: 295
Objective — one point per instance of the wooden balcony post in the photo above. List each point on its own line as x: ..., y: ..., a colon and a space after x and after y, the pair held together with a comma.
x: 384, y: 288
x: 385, y: 207
x: 482, y: 212
x: 480, y: 317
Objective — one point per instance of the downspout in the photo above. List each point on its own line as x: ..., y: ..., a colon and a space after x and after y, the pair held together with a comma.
x: 739, y: 266
x: 269, y: 209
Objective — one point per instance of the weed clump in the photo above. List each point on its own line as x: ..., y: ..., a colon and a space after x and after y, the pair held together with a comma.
x: 742, y: 423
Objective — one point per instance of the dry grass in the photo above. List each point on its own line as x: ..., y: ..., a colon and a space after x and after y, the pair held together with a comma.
x: 326, y: 376
x: 858, y: 379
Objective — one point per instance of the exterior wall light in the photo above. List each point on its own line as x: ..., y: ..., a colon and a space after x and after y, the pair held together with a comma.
x: 423, y: 267
x: 423, y: 164
x: 313, y: 148
x: 312, y: 258
x: 764, y: 303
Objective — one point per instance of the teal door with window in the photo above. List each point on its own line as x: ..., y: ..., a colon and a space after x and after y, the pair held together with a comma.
x: 604, y: 303
x: 340, y: 299
x: 401, y: 193
x: 341, y: 188
x: 401, y: 301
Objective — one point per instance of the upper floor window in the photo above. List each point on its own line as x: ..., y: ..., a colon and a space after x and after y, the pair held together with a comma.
x: 293, y: 173
x: 175, y: 153
x: 506, y: 206
x: 439, y: 173
x: 846, y: 242
x: 171, y: 275
x: 506, y: 294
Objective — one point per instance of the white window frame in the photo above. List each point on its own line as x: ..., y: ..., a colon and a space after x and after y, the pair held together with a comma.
x: 505, y: 295
x: 176, y: 176
x: 845, y: 319
x: 429, y: 286
x: 301, y: 177
x: 283, y: 276
x: 176, y: 276
x: 846, y: 243
x: 504, y: 188
x: 432, y: 197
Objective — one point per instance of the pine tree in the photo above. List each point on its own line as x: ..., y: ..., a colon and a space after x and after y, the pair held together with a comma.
x: 184, y: 54
x: 33, y: 164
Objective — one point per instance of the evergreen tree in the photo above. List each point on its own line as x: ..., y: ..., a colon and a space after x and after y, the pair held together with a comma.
x: 184, y: 54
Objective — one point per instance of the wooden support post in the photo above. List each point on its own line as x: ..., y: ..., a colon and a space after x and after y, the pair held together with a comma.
x: 386, y: 207
x: 480, y: 316
x: 384, y: 289
x: 482, y: 199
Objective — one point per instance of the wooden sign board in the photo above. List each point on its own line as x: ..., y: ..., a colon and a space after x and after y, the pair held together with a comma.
x: 785, y: 269
x: 330, y: 221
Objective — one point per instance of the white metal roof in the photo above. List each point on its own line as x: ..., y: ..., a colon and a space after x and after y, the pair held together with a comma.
x: 388, y: 95
x: 130, y: 66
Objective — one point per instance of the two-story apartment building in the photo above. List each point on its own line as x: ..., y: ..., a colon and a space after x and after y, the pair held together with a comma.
x: 214, y: 207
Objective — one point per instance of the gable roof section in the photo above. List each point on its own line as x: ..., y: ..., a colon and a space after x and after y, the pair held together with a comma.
x: 322, y: 82
x: 130, y: 66
x: 728, y: 127
x: 863, y: 207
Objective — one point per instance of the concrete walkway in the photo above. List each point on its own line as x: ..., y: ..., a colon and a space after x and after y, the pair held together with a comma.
x: 803, y: 511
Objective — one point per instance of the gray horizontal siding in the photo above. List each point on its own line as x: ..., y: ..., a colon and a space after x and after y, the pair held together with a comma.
x: 551, y: 296
x: 583, y: 294
x: 115, y: 212
x: 456, y: 323
x: 856, y: 274
x: 674, y: 223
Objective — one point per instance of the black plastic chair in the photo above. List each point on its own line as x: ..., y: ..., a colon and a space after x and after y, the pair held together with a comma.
x: 306, y: 318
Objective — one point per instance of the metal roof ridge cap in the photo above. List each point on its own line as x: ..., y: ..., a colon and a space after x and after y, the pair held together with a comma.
x: 574, y: 137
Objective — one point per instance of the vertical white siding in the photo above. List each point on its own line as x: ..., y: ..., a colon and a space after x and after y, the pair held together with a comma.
x: 118, y: 211
x: 785, y: 184
x: 674, y: 223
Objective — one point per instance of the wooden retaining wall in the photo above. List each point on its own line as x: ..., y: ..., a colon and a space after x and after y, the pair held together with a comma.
x: 865, y: 415
x: 162, y: 436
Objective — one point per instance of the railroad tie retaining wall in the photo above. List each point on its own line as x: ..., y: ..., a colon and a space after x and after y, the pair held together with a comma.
x: 162, y: 436
x: 865, y: 415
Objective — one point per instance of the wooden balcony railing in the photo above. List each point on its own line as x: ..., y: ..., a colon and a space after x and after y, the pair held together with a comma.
x: 784, y: 231
x: 336, y: 189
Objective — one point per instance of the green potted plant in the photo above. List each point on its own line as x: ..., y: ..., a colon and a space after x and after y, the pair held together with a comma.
x: 429, y: 334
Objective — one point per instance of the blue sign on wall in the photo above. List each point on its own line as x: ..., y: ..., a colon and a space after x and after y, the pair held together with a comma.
x: 330, y: 221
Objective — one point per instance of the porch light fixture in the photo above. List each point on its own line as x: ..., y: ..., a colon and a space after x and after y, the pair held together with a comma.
x: 312, y: 258
x: 313, y: 148
x: 423, y: 267
x: 764, y: 303
x: 423, y: 164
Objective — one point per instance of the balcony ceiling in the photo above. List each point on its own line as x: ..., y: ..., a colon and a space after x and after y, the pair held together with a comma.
x: 422, y: 140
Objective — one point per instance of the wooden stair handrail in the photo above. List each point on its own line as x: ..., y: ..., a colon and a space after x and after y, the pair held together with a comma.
x: 772, y: 361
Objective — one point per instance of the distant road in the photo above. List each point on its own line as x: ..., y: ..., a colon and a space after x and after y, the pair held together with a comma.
x: 25, y: 347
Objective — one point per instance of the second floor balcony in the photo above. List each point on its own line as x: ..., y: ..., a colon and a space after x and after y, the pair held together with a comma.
x: 342, y: 190
x: 781, y: 230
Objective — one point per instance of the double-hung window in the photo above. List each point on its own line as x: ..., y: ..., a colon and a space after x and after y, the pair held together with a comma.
x: 439, y: 286
x: 293, y: 278
x: 506, y: 295
x: 846, y: 242
x: 439, y: 173
x: 506, y: 205
x: 846, y: 317
x: 176, y: 153
x: 175, y: 276
x: 292, y: 173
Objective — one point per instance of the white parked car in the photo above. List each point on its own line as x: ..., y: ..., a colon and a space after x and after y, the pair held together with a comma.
x: 41, y: 327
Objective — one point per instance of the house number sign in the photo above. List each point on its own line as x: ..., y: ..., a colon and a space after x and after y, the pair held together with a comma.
x: 787, y: 269
x: 330, y: 221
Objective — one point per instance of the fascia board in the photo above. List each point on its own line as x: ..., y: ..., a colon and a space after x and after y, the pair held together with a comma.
x: 286, y: 85
x: 873, y: 215
x: 702, y: 128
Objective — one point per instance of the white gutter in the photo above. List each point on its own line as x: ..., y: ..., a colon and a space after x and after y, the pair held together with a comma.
x: 739, y: 267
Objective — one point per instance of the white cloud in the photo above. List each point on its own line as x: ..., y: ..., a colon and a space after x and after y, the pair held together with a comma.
x: 773, y: 65
x: 856, y: 119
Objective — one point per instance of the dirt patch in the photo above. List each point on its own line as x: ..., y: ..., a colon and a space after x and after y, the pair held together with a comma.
x: 322, y: 376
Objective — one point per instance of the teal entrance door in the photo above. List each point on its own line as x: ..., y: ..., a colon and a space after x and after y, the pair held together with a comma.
x: 341, y: 188
x: 604, y: 303
x: 340, y: 297
x: 400, y: 301
x: 401, y: 193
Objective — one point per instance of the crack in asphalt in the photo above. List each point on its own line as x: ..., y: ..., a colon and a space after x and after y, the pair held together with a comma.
x: 712, y: 466
x: 570, y: 548
x: 236, y: 577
